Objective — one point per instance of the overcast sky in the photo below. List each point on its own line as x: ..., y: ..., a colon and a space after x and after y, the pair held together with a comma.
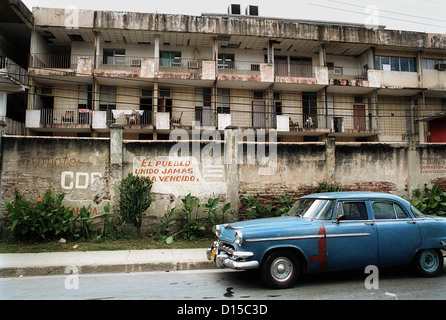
x: 415, y: 15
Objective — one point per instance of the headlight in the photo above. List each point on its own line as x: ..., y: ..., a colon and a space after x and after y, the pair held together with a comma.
x: 217, y: 231
x: 238, y: 238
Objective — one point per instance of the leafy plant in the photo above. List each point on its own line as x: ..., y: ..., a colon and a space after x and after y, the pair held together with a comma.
x: 112, y: 224
x: 47, y: 219
x: 251, y: 205
x: 213, y: 208
x: 430, y: 201
x: 285, y: 205
x: 165, y: 228
x: 326, y: 187
x: 135, y: 199
x: 264, y: 211
x: 191, y: 228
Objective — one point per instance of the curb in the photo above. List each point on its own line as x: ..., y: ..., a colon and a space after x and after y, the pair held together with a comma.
x: 125, y: 261
x: 117, y: 268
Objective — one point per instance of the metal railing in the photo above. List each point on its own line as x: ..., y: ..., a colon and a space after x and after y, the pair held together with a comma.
x: 126, y: 63
x: 294, y: 69
x: 130, y: 117
x: 65, y: 117
x: 56, y: 60
x: 11, y: 69
x: 185, y: 118
x: 347, y: 73
x: 239, y: 67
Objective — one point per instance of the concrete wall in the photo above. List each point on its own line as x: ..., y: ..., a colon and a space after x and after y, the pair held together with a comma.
x: 89, y: 171
x: 78, y: 167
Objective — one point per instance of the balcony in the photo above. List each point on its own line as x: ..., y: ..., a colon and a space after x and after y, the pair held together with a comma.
x: 14, y: 77
x: 139, y: 121
x: 301, y: 76
x: 59, y: 120
x: 53, y: 64
x: 352, y: 80
x: 245, y: 74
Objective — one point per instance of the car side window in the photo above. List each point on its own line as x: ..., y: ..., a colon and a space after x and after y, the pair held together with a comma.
x: 385, y: 210
x: 352, y: 210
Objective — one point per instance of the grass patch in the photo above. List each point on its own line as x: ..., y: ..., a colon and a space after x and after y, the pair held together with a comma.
x: 130, y: 243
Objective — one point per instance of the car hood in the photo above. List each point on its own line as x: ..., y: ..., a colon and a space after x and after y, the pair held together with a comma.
x: 267, y: 223
x: 267, y: 227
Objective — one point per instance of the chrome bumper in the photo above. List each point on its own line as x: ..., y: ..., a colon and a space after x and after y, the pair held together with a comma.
x: 231, y: 259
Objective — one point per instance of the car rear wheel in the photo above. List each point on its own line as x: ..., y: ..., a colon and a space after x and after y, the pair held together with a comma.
x: 280, y: 269
x: 429, y: 262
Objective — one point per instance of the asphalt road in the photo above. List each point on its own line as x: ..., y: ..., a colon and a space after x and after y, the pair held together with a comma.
x: 206, y: 285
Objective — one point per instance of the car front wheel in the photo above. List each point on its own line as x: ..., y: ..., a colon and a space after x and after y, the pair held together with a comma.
x: 280, y: 269
x: 429, y: 262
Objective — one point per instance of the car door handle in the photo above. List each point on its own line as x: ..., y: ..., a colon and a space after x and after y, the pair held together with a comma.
x: 411, y: 222
x: 371, y: 223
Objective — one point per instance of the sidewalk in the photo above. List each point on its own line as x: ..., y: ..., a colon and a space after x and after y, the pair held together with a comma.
x: 56, y: 263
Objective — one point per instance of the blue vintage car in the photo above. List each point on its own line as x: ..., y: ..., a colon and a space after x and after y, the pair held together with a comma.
x: 330, y: 232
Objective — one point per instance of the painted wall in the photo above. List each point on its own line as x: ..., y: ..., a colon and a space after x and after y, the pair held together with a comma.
x: 89, y: 170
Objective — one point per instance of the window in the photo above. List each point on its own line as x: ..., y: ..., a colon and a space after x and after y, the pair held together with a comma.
x: 417, y: 213
x: 85, y: 97
x: 107, y: 97
x: 114, y: 56
x: 351, y: 211
x: 432, y: 63
x: 321, y: 209
x: 385, y: 210
x: 225, y: 61
x: 170, y: 58
x: 309, y: 108
x: 392, y: 63
x: 223, y: 101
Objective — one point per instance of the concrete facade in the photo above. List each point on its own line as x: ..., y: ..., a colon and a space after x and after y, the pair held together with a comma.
x: 155, y: 72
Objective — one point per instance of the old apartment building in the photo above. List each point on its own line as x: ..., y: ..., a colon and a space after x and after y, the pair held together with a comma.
x: 308, y: 80
x: 16, y: 22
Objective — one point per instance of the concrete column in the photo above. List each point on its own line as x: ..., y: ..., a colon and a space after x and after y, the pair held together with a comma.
x: 232, y: 178
x: 97, y: 49
x: 413, y: 165
x: 3, y: 105
x: 322, y: 56
x: 215, y: 54
x: 155, y: 107
x: 330, y: 160
x: 156, y: 53
x: 116, y: 165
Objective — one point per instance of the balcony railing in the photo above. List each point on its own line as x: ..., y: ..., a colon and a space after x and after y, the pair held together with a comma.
x: 11, y: 69
x: 347, y: 73
x: 65, y: 117
x: 239, y: 67
x: 294, y: 69
x: 55, y: 60
x: 126, y: 63
x: 130, y: 117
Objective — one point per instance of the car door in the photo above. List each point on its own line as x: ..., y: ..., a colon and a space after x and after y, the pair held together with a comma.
x: 351, y: 240
x: 398, y: 234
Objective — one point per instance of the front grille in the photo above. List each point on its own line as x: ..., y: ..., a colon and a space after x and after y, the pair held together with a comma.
x: 227, y: 247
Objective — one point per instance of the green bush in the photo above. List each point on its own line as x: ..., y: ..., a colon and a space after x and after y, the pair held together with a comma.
x: 135, y: 199
x: 213, y: 209
x: 47, y: 219
x: 165, y: 232
x: 191, y: 229
x: 430, y: 201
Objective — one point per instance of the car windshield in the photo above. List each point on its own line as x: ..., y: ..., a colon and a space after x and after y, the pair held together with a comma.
x: 417, y: 213
x: 321, y: 209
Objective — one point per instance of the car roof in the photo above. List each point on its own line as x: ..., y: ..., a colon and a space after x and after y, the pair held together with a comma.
x: 353, y: 195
